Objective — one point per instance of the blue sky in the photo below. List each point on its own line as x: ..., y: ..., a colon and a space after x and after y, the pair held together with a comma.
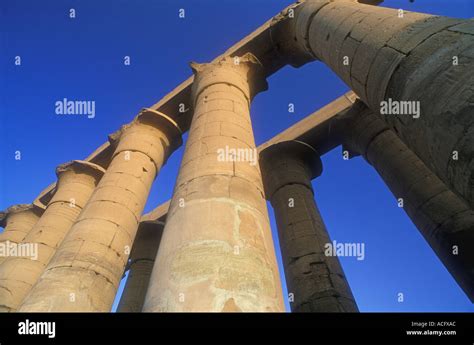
x: 82, y: 59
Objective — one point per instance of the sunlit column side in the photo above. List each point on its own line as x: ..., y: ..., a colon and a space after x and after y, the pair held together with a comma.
x: 17, y: 222
x: 217, y: 251
x: 76, y: 182
x: 85, y: 273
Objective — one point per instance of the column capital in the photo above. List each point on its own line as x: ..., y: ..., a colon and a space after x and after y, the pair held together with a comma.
x: 163, y: 122
x: 244, y: 72
x: 19, y: 208
x: 80, y: 167
x: 283, y: 34
x: 289, y: 162
x: 149, y: 132
x: 75, y: 172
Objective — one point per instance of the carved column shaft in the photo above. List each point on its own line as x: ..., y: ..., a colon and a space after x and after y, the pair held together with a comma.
x: 87, y: 269
x: 417, y: 70
x: 76, y: 182
x: 316, y: 282
x: 444, y: 219
x: 17, y: 222
x: 142, y: 259
x: 217, y: 251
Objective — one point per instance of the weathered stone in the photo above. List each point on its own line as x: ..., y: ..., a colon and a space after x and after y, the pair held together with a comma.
x: 217, y: 251
x: 76, y: 182
x: 404, y: 56
x: 444, y: 219
x: 86, y: 270
x: 17, y: 222
x: 140, y: 266
x: 315, y: 281
x: 407, y: 57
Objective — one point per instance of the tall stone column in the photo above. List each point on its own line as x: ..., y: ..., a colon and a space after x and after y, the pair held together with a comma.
x: 142, y: 259
x: 417, y: 70
x: 76, y: 182
x: 85, y: 273
x: 217, y: 251
x: 17, y: 222
x: 316, y: 282
x: 444, y: 219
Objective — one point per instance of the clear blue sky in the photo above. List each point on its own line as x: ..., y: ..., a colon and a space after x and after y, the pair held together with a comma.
x: 82, y: 59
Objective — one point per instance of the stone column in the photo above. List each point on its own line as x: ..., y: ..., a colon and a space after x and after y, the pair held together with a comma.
x: 140, y: 266
x: 417, y: 70
x: 444, y: 219
x: 85, y: 273
x: 217, y: 251
x: 316, y: 282
x: 76, y: 182
x: 17, y: 222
